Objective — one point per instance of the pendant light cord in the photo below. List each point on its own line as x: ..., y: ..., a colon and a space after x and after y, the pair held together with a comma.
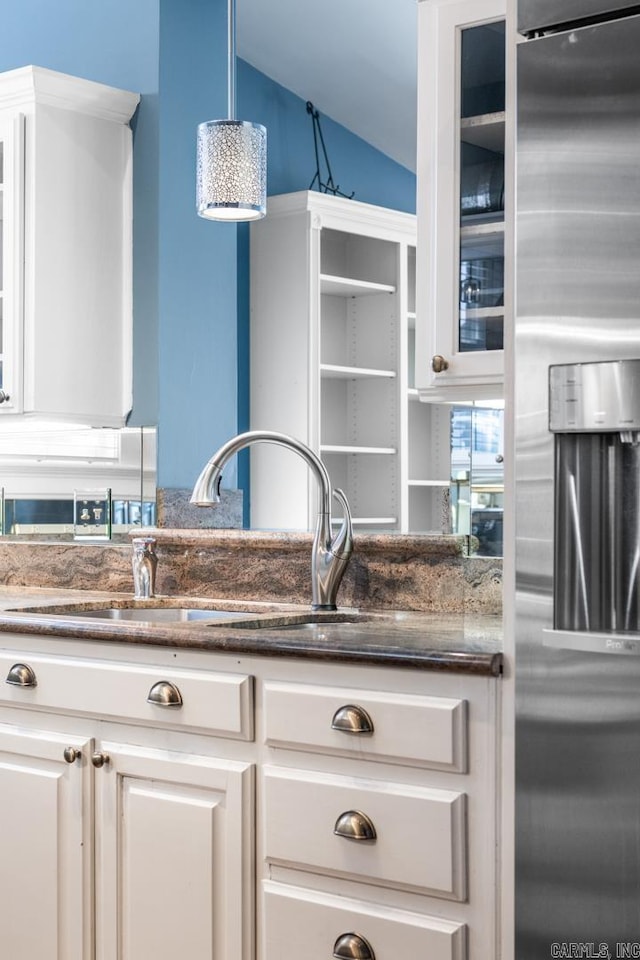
x: 231, y: 61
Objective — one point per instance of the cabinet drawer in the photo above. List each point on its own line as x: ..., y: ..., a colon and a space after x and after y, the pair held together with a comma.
x: 409, y: 729
x: 218, y: 703
x: 304, y: 923
x: 419, y: 839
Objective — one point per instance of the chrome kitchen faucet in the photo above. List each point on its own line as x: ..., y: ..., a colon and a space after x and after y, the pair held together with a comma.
x: 330, y: 556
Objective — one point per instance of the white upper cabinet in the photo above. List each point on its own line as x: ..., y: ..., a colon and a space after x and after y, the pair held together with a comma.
x: 463, y: 103
x: 66, y: 244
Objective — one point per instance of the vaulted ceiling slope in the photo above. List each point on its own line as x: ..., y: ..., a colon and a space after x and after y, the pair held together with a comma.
x: 354, y: 59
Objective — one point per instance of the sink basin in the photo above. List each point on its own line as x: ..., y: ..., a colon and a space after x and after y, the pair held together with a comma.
x: 159, y: 614
x: 253, y: 616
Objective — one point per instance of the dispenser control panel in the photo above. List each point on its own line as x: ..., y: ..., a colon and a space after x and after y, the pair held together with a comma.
x: 594, y: 397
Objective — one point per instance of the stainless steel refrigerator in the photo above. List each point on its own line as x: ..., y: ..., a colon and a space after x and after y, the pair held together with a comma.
x: 577, y: 427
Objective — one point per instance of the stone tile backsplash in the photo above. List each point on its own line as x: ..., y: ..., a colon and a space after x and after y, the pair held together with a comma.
x: 424, y: 573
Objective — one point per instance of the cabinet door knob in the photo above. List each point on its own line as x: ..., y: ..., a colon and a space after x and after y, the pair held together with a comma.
x: 99, y: 759
x: 4, y: 396
x: 351, y: 946
x: 21, y: 675
x: 165, y: 694
x: 439, y: 364
x: 355, y: 825
x: 71, y: 754
x: 352, y: 719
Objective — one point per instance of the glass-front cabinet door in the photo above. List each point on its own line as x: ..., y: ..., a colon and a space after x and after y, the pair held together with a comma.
x: 461, y: 199
x: 481, y: 246
x: 11, y: 200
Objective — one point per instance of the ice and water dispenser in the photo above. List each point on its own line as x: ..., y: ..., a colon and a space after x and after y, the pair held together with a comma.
x: 594, y: 414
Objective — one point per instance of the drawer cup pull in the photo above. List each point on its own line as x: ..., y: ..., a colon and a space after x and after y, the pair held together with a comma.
x: 21, y: 675
x: 355, y: 825
x: 351, y: 946
x: 352, y: 719
x: 165, y: 694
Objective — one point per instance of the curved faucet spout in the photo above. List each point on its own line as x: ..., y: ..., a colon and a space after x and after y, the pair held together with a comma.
x: 330, y: 555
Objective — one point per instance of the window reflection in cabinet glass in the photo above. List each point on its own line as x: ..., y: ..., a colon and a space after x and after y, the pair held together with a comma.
x: 481, y: 292
x: 477, y: 477
x: 481, y: 261
x: 483, y: 69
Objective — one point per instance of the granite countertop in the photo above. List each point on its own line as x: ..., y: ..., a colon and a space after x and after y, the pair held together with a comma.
x: 450, y: 642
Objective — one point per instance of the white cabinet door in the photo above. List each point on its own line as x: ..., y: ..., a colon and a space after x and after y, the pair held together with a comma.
x: 45, y: 847
x: 67, y: 247
x: 461, y: 195
x: 11, y: 260
x: 174, y: 857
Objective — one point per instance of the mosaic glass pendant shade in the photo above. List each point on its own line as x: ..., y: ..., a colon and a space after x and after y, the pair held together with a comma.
x: 231, y: 166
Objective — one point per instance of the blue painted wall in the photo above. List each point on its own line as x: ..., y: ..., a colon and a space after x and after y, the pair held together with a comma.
x: 197, y: 311
x: 191, y: 363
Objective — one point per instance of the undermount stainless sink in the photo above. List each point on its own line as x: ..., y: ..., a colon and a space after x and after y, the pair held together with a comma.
x: 253, y: 616
x: 160, y: 614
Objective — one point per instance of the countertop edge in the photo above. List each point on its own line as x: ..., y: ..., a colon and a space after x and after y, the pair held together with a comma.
x: 340, y: 643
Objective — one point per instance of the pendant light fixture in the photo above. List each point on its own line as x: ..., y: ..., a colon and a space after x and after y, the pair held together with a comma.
x: 231, y: 156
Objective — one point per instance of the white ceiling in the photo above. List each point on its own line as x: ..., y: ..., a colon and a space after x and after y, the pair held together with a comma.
x: 354, y: 59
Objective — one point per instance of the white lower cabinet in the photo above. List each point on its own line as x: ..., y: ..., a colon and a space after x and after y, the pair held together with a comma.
x: 166, y: 802
x: 121, y: 841
x: 379, y: 813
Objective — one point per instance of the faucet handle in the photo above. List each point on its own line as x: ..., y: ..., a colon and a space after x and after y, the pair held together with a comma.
x: 342, y: 543
x: 144, y: 562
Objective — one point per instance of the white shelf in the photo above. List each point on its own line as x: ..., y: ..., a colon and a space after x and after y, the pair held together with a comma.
x: 367, y: 521
x: 347, y: 449
x: 486, y: 130
x: 334, y: 371
x: 413, y: 394
x: 428, y: 483
x: 346, y: 287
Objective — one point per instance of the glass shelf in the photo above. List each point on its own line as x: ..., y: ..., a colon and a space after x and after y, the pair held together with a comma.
x: 485, y: 130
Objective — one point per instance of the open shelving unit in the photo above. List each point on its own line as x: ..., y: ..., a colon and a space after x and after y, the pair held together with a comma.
x: 332, y: 353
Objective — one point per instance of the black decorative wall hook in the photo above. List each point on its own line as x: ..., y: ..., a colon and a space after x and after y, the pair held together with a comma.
x: 327, y: 186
